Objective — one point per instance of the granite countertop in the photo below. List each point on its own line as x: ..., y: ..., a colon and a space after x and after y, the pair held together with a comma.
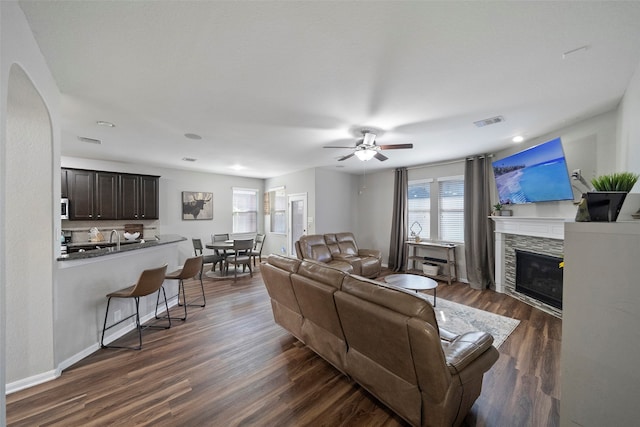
x: 163, y: 239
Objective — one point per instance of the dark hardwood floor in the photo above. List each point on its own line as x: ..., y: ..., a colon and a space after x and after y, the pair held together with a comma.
x: 229, y: 364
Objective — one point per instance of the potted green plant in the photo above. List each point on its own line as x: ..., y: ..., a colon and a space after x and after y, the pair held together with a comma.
x: 497, y: 208
x: 605, y: 202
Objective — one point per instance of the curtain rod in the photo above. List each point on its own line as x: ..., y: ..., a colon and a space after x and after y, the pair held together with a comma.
x: 450, y: 162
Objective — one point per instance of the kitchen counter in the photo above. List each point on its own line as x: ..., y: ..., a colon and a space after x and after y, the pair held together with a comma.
x: 82, y: 281
x: 106, y: 248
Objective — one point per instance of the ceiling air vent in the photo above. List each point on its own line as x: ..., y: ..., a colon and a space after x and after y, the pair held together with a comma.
x: 487, y: 122
x: 89, y: 140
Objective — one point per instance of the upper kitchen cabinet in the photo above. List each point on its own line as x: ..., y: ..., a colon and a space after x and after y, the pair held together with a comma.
x: 138, y: 196
x: 106, y: 197
x: 64, y: 191
x: 81, y: 193
x: 99, y: 195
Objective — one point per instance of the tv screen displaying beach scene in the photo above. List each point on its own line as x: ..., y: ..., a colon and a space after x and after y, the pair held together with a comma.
x: 537, y: 174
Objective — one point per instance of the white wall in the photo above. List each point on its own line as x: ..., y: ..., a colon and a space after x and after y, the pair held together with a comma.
x: 628, y: 154
x: 33, y: 293
x: 172, y: 183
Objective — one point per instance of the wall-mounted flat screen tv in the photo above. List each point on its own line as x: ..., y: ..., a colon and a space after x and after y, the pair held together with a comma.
x: 537, y: 174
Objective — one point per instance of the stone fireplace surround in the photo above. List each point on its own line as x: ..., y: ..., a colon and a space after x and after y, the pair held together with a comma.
x: 534, y: 234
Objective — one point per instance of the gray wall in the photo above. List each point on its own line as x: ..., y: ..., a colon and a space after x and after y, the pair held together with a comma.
x: 336, y: 196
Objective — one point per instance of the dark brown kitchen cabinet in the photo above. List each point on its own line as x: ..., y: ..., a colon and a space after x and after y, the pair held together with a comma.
x: 64, y: 190
x: 100, y: 195
x: 81, y: 192
x: 138, y: 197
x: 106, y: 196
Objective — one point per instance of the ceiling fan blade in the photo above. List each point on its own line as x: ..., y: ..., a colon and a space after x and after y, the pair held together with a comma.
x: 335, y: 146
x: 380, y: 157
x: 345, y: 157
x: 395, y: 147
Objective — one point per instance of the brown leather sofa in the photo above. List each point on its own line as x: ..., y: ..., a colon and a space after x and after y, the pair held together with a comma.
x: 385, y: 338
x: 341, y: 251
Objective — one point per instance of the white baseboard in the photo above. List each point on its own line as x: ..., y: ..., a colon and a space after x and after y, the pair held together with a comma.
x: 55, y: 373
x: 31, y: 381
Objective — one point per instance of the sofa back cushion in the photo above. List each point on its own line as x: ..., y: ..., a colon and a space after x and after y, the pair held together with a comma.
x: 314, y: 247
x: 332, y: 243
x: 276, y: 274
x: 314, y: 286
x: 347, y: 243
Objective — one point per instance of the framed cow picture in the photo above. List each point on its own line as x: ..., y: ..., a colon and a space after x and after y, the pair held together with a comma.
x: 197, y: 205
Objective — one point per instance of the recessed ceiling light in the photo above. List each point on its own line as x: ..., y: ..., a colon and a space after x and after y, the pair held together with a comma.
x: 89, y: 140
x: 518, y: 138
x: 107, y: 124
x: 237, y: 167
x: 189, y: 159
x: 192, y: 136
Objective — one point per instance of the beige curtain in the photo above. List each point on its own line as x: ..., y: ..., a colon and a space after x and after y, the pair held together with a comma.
x: 399, y: 222
x: 478, y: 228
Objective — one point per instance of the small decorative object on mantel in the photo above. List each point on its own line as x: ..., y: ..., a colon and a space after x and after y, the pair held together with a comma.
x: 498, y: 210
x: 636, y: 215
x: 605, y: 202
x: 582, y: 215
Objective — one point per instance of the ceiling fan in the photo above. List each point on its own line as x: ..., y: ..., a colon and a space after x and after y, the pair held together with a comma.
x: 367, y: 148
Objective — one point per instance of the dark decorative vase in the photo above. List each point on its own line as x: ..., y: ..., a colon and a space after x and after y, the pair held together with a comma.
x: 604, y: 206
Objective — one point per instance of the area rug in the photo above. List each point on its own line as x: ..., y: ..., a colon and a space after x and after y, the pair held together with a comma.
x: 458, y: 318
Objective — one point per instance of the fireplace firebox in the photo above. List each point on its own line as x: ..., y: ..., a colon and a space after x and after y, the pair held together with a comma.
x: 539, y: 276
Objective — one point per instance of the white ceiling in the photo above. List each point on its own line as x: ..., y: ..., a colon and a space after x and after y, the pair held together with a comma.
x: 268, y: 84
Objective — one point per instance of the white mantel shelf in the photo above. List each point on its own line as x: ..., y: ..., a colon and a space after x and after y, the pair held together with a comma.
x: 552, y: 228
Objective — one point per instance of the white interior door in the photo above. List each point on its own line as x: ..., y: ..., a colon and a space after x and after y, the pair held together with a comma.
x: 297, y: 220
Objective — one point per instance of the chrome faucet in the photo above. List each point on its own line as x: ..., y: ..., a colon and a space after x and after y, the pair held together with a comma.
x: 111, y: 238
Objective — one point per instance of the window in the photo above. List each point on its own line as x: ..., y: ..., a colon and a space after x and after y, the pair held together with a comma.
x: 245, y: 210
x: 419, y: 207
x: 278, y: 210
x: 451, y: 211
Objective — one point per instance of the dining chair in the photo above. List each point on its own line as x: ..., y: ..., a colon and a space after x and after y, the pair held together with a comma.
x: 150, y: 281
x: 190, y: 269
x: 206, y: 259
x: 241, y: 256
x: 257, y: 248
x: 220, y: 238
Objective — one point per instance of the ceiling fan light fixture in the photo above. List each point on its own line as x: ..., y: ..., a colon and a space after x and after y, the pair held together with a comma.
x: 365, y: 154
x: 369, y: 138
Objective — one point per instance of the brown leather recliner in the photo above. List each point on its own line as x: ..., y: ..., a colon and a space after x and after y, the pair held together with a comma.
x: 385, y: 338
x: 341, y: 251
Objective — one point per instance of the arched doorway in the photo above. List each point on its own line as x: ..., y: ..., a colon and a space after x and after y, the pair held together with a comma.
x: 28, y: 232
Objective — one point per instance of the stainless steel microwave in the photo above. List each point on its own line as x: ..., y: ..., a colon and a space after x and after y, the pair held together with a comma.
x: 64, y: 208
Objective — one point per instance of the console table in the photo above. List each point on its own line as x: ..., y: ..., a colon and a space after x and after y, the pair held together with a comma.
x: 442, y: 254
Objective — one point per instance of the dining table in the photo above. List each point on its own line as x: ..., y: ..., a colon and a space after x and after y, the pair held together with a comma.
x: 222, y: 246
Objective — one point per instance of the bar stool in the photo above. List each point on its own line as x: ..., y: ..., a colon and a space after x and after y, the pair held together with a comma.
x: 190, y: 269
x: 149, y: 282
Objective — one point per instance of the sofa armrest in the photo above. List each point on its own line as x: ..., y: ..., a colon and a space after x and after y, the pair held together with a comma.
x: 356, y: 262
x: 464, y: 349
x: 447, y: 336
x: 370, y: 252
